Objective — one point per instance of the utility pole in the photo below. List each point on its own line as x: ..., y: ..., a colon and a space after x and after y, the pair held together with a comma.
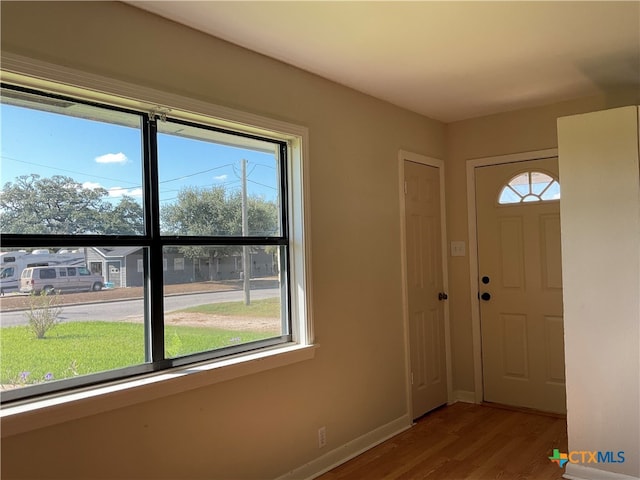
x: 246, y: 260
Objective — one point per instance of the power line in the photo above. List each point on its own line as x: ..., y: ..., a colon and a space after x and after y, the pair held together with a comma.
x: 266, y: 166
x: 134, y: 185
x: 196, y: 173
x: 261, y: 184
x: 226, y: 184
x: 68, y: 171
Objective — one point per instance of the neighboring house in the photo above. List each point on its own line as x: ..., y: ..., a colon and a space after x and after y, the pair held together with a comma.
x: 116, y: 264
x: 123, y: 266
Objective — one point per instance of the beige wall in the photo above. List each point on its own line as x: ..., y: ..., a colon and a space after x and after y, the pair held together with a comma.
x: 263, y: 425
x: 501, y: 134
x: 600, y: 212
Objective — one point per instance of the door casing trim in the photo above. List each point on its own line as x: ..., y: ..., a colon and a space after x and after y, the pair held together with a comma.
x: 403, y: 156
x: 473, y: 248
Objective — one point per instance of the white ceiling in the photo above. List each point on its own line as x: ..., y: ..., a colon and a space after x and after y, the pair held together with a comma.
x: 447, y: 60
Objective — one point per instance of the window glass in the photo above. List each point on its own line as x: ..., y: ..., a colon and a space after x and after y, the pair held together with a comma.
x: 54, y: 337
x: 178, y: 263
x: 529, y: 187
x: 509, y: 195
x: 216, y: 184
x: 68, y: 168
x: 539, y: 182
x: 7, y: 272
x: 552, y: 192
x: 219, y: 308
x: 47, y: 273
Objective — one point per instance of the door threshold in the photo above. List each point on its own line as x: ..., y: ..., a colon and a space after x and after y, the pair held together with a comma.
x: 532, y: 411
x: 417, y: 419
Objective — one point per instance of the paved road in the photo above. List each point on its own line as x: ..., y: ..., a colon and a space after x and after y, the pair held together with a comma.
x: 121, y: 310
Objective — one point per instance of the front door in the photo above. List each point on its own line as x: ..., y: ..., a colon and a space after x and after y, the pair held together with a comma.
x: 520, y: 284
x: 113, y: 273
x: 425, y: 287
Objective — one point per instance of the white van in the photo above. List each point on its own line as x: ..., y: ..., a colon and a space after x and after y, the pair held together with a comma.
x: 13, y: 263
x: 61, y: 278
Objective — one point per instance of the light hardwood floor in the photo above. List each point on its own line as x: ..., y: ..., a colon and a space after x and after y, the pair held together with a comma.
x: 465, y: 441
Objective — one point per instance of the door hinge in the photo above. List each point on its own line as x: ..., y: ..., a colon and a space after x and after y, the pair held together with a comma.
x: 405, y: 187
x: 411, y: 378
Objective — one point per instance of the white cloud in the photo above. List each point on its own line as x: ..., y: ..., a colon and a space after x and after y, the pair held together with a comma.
x: 115, y: 192
x: 221, y: 178
x: 91, y: 185
x: 112, y: 158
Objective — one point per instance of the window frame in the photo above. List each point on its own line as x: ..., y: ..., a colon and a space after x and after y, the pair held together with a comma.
x: 292, y: 140
x: 508, y: 186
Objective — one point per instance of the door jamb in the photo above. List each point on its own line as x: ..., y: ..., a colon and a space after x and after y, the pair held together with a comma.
x: 473, y: 249
x: 403, y: 156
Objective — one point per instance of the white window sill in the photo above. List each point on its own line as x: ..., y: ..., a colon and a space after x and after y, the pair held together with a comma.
x: 24, y: 417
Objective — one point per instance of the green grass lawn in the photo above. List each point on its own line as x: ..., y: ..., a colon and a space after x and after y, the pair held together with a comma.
x: 268, y: 307
x: 80, y: 348
x: 69, y: 349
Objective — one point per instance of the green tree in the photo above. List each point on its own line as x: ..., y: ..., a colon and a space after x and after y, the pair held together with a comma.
x: 126, y: 218
x: 60, y: 205
x: 214, y: 212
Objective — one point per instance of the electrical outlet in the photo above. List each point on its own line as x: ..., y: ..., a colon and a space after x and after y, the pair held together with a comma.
x: 322, y: 437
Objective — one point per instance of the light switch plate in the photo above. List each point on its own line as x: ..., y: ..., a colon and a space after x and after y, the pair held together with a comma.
x: 458, y: 249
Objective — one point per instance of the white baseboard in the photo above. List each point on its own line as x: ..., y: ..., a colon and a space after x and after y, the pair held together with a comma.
x: 464, y: 396
x: 580, y: 472
x: 349, y: 450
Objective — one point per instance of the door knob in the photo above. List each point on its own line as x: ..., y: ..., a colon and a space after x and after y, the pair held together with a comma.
x: 486, y: 296
x: 442, y: 296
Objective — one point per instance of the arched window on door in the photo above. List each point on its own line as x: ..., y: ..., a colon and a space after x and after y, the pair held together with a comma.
x: 530, y: 187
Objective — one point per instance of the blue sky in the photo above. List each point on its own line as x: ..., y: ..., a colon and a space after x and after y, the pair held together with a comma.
x: 99, y: 154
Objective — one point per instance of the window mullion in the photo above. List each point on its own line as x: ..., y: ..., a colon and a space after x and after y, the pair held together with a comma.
x: 284, y: 191
x: 154, y: 305
x: 285, y: 259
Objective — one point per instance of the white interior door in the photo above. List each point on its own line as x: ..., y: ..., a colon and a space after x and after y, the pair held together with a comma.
x: 425, y: 287
x: 520, y: 284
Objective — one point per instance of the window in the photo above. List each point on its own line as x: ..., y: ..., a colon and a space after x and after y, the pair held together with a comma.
x: 7, y: 272
x: 48, y: 273
x: 178, y: 263
x: 530, y: 187
x: 115, y: 181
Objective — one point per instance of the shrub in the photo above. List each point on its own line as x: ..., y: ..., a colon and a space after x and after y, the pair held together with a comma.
x: 43, y: 313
